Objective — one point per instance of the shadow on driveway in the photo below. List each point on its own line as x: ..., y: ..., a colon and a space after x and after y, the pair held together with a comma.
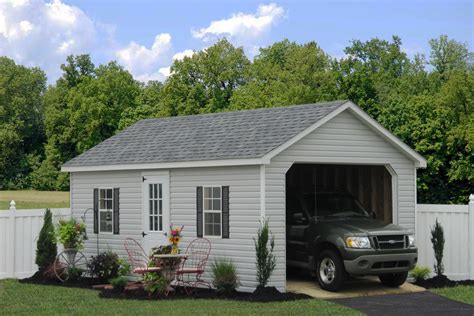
x: 423, y: 303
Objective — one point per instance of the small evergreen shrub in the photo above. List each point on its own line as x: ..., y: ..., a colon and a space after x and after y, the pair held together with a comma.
x: 437, y: 239
x: 104, y: 266
x: 266, y: 261
x: 46, y: 250
x: 420, y: 273
x: 119, y: 283
x: 154, y: 282
x: 224, y: 274
x: 74, y: 274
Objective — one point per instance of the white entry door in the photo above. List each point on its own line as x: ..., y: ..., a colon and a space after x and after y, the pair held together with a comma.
x: 156, y: 211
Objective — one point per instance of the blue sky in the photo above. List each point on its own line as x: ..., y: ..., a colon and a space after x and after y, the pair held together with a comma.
x: 145, y: 36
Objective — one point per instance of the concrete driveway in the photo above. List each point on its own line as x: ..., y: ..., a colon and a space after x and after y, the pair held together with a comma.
x: 355, y: 287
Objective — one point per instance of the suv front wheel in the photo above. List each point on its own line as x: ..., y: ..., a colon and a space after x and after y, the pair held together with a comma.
x: 330, y: 270
x: 393, y: 279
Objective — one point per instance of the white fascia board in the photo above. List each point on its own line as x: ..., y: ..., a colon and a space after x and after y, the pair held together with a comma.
x: 420, y: 162
x: 169, y: 165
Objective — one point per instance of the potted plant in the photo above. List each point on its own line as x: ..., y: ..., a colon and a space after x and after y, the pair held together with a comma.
x: 71, y: 233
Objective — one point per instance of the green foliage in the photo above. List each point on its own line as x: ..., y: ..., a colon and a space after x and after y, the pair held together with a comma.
x: 266, y: 261
x: 119, y: 283
x: 224, y: 275
x: 21, y: 122
x: 46, y: 250
x: 437, y: 239
x: 420, y: 273
x: 154, y: 282
x: 105, y: 266
x: 71, y: 233
x: 428, y: 102
x: 74, y: 274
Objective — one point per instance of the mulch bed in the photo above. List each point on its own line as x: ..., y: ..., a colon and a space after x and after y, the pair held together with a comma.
x: 261, y: 294
x: 441, y: 281
x: 41, y: 279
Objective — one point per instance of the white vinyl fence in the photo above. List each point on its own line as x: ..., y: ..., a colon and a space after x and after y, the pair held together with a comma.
x: 19, y: 230
x: 458, y: 224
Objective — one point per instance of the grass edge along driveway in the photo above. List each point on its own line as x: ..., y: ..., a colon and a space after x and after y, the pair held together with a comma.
x: 20, y: 298
x: 460, y: 293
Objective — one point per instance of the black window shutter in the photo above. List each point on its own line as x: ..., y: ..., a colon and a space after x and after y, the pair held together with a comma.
x: 225, y: 212
x: 199, y: 211
x: 116, y: 209
x: 96, y: 211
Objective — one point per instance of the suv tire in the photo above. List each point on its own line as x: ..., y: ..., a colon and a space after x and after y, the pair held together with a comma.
x: 330, y: 270
x: 393, y: 279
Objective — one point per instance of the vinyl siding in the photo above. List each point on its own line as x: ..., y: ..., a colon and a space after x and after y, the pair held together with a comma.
x: 344, y: 139
x: 244, y: 210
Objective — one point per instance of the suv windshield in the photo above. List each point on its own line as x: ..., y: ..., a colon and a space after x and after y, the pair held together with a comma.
x: 333, y: 204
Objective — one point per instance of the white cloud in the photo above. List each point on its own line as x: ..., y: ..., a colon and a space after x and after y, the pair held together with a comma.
x: 39, y: 33
x: 181, y: 55
x: 243, y: 29
x: 139, y: 60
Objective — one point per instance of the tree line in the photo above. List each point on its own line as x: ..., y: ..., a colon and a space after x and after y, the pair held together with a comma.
x: 427, y: 101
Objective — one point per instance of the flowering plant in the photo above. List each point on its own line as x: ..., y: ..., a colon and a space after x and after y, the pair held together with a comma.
x: 174, y: 237
x: 71, y: 233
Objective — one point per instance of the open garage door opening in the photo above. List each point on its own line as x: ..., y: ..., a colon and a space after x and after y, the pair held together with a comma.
x: 339, y: 223
x: 369, y: 185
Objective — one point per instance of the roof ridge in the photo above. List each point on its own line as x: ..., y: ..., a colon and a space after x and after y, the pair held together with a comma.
x: 324, y: 103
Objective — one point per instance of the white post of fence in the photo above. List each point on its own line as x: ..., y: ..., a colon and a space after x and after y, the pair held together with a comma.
x: 11, y: 242
x: 471, y: 236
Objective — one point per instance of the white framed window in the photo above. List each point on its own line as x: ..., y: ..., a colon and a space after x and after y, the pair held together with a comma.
x: 155, y: 207
x: 212, y: 211
x: 106, y: 214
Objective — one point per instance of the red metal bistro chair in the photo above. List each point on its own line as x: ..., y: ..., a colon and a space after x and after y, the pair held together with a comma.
x: 193, y: 267
x: 138, y: 258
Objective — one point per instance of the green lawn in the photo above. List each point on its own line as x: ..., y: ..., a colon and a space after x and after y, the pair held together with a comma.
x: 462, y: 293
x: 27, y: 299
x: 28, y: 199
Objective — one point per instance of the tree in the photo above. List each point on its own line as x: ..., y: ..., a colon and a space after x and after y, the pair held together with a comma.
x: 21, y: 121
x: 46, y: 250
x: 204, y: 82
x: 437, y: 239
x: 447, y: 55
x: 83, y: 109
x: 266, y: 261
x: 287, y: 73
x: 147, y: 105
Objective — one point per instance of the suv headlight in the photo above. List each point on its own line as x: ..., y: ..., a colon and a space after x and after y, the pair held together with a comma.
x: 411, y: 241
x: 358, y: 242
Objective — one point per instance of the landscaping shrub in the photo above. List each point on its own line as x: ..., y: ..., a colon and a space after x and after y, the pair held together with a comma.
x: 420, y: 273
x: 224, y: 274
x: 154, y: 282
x: 437, y: 239
x: 266, y: 261
x: 74, y: 274
x: 46, y: 250
x: 104, y: 266
x: 71, y: 233
x: 119, y: 283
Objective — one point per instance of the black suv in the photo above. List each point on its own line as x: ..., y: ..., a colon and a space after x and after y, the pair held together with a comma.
x: 333, y: 236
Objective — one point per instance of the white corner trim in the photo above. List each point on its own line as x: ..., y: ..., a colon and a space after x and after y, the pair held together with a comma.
x: 420, y: 162
x: 262, y: 191
x: 169, y: 165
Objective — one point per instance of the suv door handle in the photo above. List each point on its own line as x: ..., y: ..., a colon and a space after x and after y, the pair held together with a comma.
x: 144, y: 234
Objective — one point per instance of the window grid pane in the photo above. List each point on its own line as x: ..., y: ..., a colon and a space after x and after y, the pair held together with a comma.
x: 212, y: 207
x: 155, y: 206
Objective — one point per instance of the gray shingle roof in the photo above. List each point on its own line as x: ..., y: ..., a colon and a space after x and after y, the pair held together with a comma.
x: 227, y: 135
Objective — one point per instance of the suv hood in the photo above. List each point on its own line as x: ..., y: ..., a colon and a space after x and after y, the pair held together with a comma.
x: 365, y: 226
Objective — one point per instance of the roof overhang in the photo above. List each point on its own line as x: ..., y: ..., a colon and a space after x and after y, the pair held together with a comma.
x: 420, y: 162
x: 168, y: 165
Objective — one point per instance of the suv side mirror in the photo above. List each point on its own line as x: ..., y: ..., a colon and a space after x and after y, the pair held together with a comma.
x: 298, y: 218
